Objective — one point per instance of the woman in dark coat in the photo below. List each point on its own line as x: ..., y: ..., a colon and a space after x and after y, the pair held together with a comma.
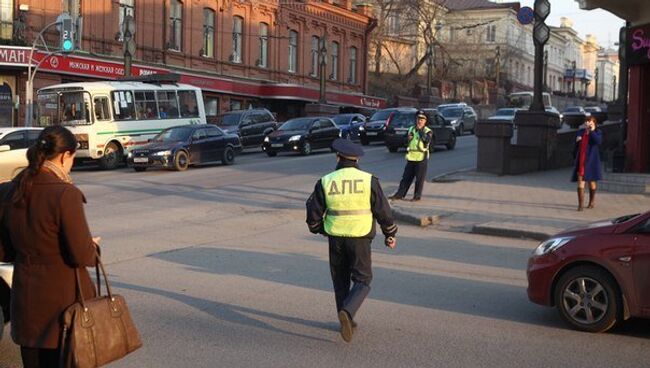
x: 587, y: 161
x: 43, y: 230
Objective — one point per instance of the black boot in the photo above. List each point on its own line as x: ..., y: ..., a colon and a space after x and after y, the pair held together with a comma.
x: 592, y: 197
x: 581, y: 198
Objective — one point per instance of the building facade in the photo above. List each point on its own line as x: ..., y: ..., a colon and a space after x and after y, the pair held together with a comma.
x: 608, y: 75
x: 241, y: 53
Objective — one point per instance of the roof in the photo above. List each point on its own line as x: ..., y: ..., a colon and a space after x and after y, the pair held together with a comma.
x: 4, y: 131
x: 118, y: 85
x: 479, y: 4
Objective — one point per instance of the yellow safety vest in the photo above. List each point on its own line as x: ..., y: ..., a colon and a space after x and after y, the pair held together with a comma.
x: 417, y: 150
x: 347, y: 196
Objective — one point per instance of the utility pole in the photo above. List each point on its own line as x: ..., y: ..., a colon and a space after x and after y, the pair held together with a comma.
x: 322, y: 69
x: 498, y: 67
x: 545, y: 70
x: 596, y: 85
x: 541, y: 34
x: 128, y: 41
x: 573, y: 85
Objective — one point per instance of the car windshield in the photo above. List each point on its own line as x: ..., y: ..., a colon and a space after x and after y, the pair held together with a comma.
x: 173, y: 135
x: 592, y: 109
x: 342, y: 119
x: 452, y: 112
x: 296, y: 124
x: 402, y: 119
x: 572, y: 109
x: 230, y: 119
x: 381, y: 115
x: 505, y: 112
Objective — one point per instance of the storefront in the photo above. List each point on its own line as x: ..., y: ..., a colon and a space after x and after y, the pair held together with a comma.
x: 638, y: 137
x: 220, y: 94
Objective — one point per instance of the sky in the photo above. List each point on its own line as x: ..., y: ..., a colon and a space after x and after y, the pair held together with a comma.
x: 602, y: 24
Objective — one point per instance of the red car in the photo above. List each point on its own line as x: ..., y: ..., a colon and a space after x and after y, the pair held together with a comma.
x: 595, y: 276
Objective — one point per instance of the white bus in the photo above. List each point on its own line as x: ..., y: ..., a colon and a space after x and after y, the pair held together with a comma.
x: 109, y: 118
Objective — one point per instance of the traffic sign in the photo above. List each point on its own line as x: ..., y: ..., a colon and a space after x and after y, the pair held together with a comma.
x: 526, y: 15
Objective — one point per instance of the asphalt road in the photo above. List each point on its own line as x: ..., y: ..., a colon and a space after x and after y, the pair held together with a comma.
x: 220, y: 271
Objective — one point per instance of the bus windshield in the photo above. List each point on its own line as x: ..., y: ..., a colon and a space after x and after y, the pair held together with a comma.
x: 65, y: 108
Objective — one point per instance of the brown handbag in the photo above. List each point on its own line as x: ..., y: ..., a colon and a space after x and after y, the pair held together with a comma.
x: 97, y: 331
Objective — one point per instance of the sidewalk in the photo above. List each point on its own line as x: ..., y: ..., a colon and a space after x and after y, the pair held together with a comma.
x: 535, y: 205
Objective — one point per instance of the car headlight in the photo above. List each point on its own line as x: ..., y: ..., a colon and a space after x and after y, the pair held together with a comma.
x: 129, y: 155
x: 266, y: 139
x: 295, y: 138
x: 551, y: 245
x: 163, y: 153
x: 454, y: 122
x: 340, y: 134
x: 361, y: 128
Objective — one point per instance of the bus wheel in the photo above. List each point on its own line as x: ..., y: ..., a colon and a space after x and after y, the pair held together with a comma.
x: 112, y: 156
x: 181, y: 161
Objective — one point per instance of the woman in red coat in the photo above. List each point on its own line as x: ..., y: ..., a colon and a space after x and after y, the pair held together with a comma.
x: 587, y: 161
x: 45, y: 233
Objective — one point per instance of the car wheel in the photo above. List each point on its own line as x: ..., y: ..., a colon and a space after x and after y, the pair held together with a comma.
x: 461, y: 130
x: 306, y: 149
x: 588, y: 299
x: 112, y: 156
x: 364, y: 142
x: 452, y: 142
x: 181, y: 161
x: 392, y: 149
x: 271, y: 153
x: 140, y: 169
x: 228, y: 156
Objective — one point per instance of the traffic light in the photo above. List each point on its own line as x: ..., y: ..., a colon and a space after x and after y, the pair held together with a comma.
x: 67, y: 35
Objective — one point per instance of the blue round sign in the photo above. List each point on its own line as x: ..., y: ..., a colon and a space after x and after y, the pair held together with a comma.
x: 526, y: 15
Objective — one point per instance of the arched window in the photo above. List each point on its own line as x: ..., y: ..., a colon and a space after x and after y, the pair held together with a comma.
x: 175, y: 25
x: 293, y: 51
x: 315, y: 45
x: 237, y: 39
x: 352, y: 77
x: 263, y: 61
x: 208, y: 32
x: 334, y: 74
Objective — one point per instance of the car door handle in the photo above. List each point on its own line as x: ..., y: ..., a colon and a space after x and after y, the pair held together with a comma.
x: 625, y: 259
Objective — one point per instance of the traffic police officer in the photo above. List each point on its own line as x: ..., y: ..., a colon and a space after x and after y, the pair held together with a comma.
x: 344, y: 206
x: 417, y: 158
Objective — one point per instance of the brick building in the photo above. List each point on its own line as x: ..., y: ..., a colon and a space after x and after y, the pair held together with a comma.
x: 241, y: 53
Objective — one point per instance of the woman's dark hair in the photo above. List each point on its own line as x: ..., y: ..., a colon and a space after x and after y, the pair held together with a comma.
x: 52, y: 141
x: 592, y: 118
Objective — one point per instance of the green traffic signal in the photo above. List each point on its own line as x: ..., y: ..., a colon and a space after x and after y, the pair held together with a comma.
x: 67, y: 35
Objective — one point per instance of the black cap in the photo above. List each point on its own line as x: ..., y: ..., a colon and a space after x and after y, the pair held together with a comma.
x: 420, y: 114
x: 346, y: 148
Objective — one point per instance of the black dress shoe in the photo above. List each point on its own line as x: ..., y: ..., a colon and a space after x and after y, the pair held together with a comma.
x: 415, y: 200
x: 395, y: 198
x: 347, y: 326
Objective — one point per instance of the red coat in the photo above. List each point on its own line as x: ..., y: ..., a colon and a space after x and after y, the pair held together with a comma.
x: 46, y: 239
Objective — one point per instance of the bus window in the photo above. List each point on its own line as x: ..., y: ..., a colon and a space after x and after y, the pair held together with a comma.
x: 73, y: 108
x: 187, y: 101
x: 102, y: 109
x: 48, y: 109
x: 167, y: 104
x: 145, y: 105
x: 123, y: 105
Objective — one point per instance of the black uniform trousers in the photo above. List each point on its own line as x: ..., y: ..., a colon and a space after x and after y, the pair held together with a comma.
x: 39, y: 358
x: 350, y: 262
x: 413, y: 169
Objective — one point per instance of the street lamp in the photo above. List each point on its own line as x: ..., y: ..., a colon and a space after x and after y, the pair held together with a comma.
x: 545, y: 70
x: 596, y: 86
x: 322, y: 66
x: 573, y: 84
x: 613, y: 88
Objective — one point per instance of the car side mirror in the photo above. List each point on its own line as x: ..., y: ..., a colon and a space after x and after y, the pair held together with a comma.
x: 5, y: 148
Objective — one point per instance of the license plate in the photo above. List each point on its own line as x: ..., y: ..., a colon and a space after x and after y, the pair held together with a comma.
x: 277, y: 145
x: 141, y: 160
x: 371, y: 133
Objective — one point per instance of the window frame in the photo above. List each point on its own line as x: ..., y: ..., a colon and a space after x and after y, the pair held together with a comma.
x: 315, y: 53
x: 352, y: 61
x: 126, y: 92
x: 294, y: 37
x: 237, y: 55
x: 208, y: 32
x: 110, y: 110
x: 175, y: 26
x: 263, y: 61
x: 334, y: 75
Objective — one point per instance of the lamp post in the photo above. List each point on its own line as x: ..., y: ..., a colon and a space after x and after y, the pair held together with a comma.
x: 545, y: 70
x: 322, y: 69
x: 541, y: 34
x: 613, y: 88
x: 596, y: 85
x: 573, y: 84
x: 497, y: 67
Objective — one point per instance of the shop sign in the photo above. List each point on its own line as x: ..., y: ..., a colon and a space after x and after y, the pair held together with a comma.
x: 14, y: 55
x: 638, y: 45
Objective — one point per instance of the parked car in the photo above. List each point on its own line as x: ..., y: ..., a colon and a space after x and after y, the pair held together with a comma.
x: 373, y: 129
x: 462, y: 117
x: 503, y: 114
x: 592, y: 109
x: 250, y: 125
x: 402, y: 119
x: 574, y: 116
x: 595, y: 276
x: 302, y: 135
x: 13, y: 150
x: 349, y: 124
x: 179, y: 147
x: 6, y: 274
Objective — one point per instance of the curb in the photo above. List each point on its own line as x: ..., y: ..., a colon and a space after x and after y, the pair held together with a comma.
x: 421, y: 221
x: 509, y: 233
x: 440, y: 176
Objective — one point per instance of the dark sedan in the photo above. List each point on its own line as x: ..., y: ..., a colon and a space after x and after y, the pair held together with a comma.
x: 373, y: 130
x: 595, y: 276
x: 404, y: 118
x: 179, y: 147
x: 302, y: 135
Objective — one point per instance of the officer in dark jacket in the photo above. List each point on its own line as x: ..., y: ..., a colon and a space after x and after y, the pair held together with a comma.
x: 344, y: 206
x: 417, y: 158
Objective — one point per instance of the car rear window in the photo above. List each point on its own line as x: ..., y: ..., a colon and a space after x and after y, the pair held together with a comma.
x: 402, y: 120
x: 381, y: 115
x: 229, y: 119
x: 572, y: 109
